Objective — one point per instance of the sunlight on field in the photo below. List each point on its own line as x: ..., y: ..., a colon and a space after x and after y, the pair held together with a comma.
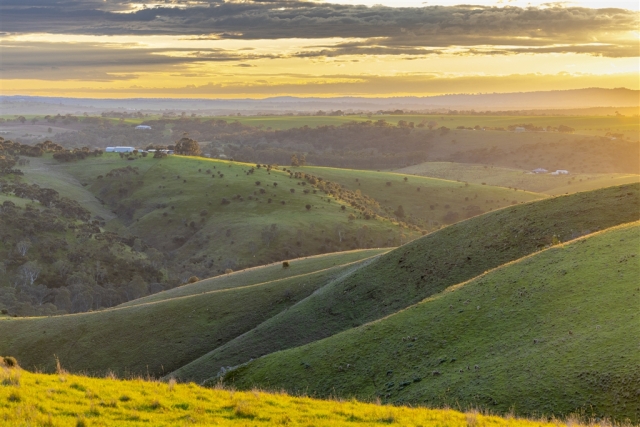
x: 28, y: 399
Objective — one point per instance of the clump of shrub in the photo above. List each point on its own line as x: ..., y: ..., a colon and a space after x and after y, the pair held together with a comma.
x: 10, y: 362
x: 285, y: 264
x: 193, y: 279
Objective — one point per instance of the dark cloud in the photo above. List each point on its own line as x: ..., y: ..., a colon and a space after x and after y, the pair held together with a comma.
x: 282, y: 19
x: 99, y: 62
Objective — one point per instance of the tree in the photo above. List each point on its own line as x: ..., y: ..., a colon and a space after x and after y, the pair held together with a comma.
x: 294, y: 160
x: 29, y: 273
x: 22, y: 247
x: 399, y: 212
x: 187, y: 147
x: 308, y: 207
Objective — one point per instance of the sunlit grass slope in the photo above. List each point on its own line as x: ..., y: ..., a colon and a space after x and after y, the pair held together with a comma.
x: 553, y: 333
x: 262, y: 274
x: 426, y: 199
x: 155, y: 338
x: 28, y: 399
x: 50, y: 174
x: 423, y: 268
x: 518, y: 178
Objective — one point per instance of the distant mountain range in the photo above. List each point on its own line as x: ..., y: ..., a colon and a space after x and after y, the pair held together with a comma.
x: 541, y: 100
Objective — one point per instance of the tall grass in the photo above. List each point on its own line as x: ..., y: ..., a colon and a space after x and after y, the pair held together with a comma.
x: 29, y: 399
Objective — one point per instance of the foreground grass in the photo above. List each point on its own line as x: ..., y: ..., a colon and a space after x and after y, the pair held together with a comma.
x: 28, y: 399
x: 548, y: 334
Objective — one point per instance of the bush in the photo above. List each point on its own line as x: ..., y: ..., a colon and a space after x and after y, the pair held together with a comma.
x: 193, y: 279
x: 308, y: 207
x: 10, y: 362
x: 228, y: 271
x: 285, y: 264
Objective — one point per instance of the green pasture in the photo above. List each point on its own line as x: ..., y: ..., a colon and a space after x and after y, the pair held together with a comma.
x: 548, y: 335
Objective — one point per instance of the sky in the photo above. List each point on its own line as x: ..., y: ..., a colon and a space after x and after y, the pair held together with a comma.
x: 264, y: 48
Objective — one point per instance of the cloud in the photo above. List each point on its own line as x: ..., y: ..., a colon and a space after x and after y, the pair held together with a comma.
x: 105, y: 62
x: 399, y: 28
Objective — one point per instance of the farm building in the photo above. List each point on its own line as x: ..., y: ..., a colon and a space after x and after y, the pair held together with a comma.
x: 560, y: 172
x: 143, y: 127
x: 119, y: 149
x: 520, y: 129
x: 540, y: 170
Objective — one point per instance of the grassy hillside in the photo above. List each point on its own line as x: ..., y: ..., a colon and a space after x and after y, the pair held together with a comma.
x: 47, y: 174
x: 547, y: 334
x: 426, y: 201
x: 156, y: 338
x: 28, y: 399
x: 518, y: 178
x: 214, y: 215
x: 423, y: 268
x: 253, y: 227
x: 262, y: 274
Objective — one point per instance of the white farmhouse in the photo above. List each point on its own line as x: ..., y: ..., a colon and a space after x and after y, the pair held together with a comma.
x: 119, y: 149
x: 560, y: 172
x: 143, y: 127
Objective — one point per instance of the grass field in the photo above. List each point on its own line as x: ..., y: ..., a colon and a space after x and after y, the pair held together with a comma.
x: 157, y: 338
x: 47, y: 174
x: 518, y: 178
x: 262, y: 274
x: 423, y: 268
x: 434, y: 199
x: 208, y: 237
x: 28, y: 399
x: 588, y: 125
x: 547, y: 334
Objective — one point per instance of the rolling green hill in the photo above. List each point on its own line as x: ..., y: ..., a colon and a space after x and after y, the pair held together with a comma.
x: 426, y: 201
x: 423, y: 268
x: 205, y: 235
x: 552, y: 333
x: 157, y: 338
x: 518, y: 178
x: 261, y: 274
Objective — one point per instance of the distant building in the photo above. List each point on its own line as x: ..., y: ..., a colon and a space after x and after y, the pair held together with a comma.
x: 560, y: 172
x: 119, y: 149
x: 143, y: 127
x: 520, y: 129
x: 540, y: 170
